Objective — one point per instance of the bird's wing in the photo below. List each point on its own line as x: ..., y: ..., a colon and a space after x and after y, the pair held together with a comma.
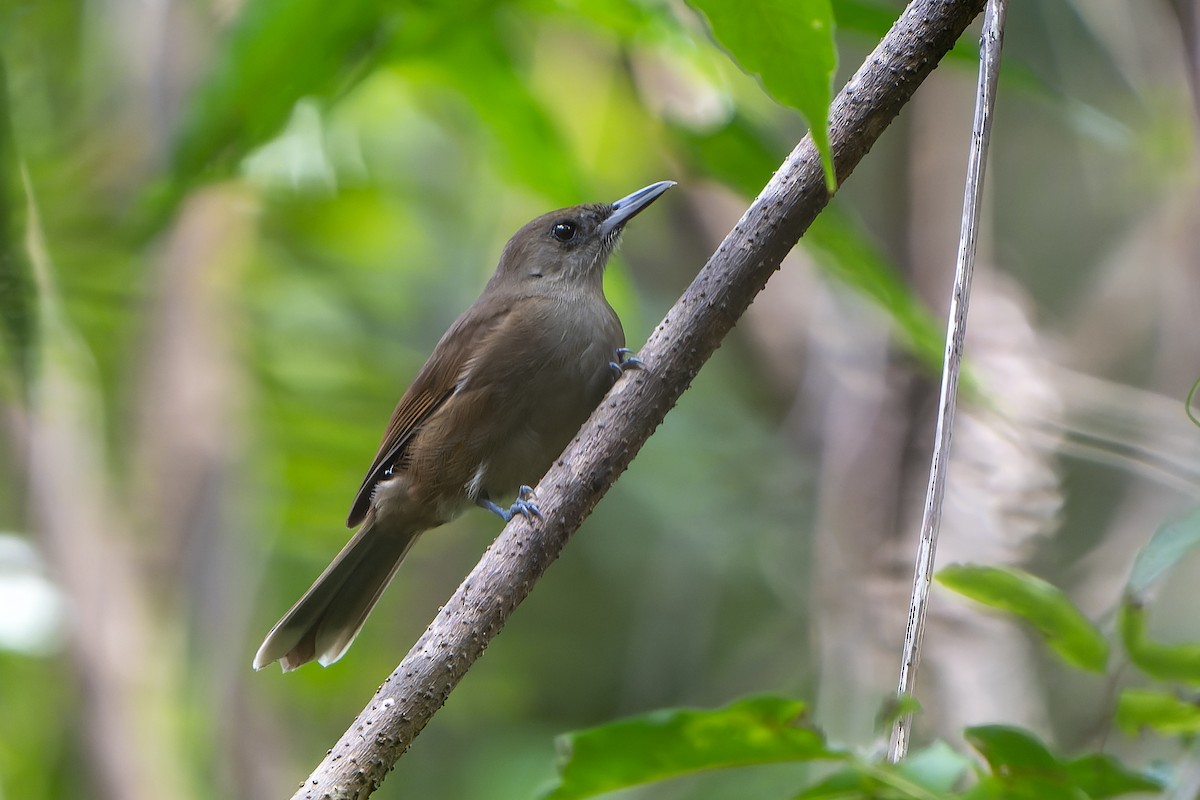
x: 436, y: 383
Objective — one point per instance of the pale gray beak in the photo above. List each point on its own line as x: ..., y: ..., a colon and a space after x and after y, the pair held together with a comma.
x: 627, y: 208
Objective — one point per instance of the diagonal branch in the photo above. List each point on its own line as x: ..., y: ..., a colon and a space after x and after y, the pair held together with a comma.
x: 677, y: 348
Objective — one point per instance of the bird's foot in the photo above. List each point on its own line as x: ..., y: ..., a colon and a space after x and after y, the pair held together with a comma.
x: 625, y: 360
x: 523, y: 506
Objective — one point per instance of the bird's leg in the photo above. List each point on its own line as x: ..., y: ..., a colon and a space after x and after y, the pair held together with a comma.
x: 625, y: 360
x: 523, y: 506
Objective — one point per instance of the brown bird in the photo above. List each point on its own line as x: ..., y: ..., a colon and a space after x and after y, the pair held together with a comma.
x: 500, y: 397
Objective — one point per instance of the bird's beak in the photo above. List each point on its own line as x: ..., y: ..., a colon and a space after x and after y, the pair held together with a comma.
x: 627, y: 208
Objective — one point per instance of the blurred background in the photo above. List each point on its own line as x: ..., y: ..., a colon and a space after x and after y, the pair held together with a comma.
x: 231, y: 232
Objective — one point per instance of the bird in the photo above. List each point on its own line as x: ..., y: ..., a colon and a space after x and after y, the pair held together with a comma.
x: 502, y: 394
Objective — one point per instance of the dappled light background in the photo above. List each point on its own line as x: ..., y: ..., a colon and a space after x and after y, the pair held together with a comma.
x: 238, y: 229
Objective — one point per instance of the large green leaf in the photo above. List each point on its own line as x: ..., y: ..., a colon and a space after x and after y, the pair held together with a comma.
x: 1167, y: 662
x: 789, y: 44
x: 1068, y: 632
x: 669, y: 743
x: 1023, y: 767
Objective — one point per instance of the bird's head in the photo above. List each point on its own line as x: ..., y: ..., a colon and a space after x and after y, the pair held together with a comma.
x: 572, y: 244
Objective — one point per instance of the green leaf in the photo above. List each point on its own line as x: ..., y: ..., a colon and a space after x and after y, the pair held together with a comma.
x: 1102, y: 776
x: 1167, y: 662
x: 846, y: 784
x: 1023, y: 767
x: 924, y: 775
x: 789, y: 44
x: 1159, y: 711
x: 665, y: 744
x: 938, y: 767
x: 1170, y: 543
x: 17, y: 309
x: 1008, y: 749
x: 1023, y: 787
x: 1068, y: 632
x: 865, y: 782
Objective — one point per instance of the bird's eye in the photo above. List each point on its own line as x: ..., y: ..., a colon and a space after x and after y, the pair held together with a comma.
x: 563, y: 231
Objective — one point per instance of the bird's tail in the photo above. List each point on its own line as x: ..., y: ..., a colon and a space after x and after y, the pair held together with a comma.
x: 323, y: 623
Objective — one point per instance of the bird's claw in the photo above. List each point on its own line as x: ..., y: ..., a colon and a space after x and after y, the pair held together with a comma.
x: 625, y: 360
x: 523, y: 506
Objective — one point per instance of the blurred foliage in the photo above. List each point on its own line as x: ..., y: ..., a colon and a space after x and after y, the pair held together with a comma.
x: 1016, y: 764
x: 16, y: 296
x: 665, y: 744
x: 259, y: 216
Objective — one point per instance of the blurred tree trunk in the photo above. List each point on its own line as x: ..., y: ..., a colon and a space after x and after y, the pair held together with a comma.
x: 127, y: 674
x: 190, y: 462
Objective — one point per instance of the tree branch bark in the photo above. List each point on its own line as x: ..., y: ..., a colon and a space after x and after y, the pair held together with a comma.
x: 674, y: 353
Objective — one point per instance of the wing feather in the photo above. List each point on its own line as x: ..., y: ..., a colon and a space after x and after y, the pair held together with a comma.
x: 436, y: 383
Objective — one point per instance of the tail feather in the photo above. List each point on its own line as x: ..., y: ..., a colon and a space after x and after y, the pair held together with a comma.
x: 323, y: 623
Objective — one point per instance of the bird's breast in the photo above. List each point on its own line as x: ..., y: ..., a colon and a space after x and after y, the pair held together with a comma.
x: 565, y: 375
x: 531, y: 382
